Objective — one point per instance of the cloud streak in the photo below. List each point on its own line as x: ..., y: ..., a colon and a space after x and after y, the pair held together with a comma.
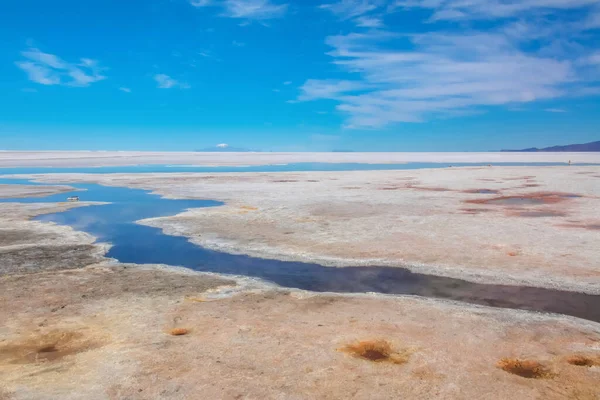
x: 245, y: 9
x: 164, y: 81
x: 395, y: 77
x: 49, y: 69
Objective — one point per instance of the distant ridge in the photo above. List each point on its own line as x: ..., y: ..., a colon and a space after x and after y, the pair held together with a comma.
x: 592, y: 146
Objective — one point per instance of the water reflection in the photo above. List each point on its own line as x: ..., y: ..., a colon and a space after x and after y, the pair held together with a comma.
x: 132, y: 243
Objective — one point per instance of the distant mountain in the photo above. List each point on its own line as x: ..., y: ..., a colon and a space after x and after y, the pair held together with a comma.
x: 223, y: 148
x: 592, y: 146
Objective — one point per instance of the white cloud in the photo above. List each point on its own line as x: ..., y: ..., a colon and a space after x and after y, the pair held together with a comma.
x: 166, y: 82
x: 445, y: 75
x: 287, y: 83
x: 347, y: 9
x: 222, y: 145
x: 49, y: 69
x: 314, y: 89
x: 246, y: 9
x: 398, y: 77
x: 357, y: 10
x: 238, y: 44
x: 490, y: 9
x: 555, y: 110
x: 125, y: 89
x: 368, y: 22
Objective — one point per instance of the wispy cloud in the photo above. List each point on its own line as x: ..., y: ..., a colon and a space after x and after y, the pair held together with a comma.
x: 347, y: 9
x: 125, y: 89
x: 246, y: 9
x: 490, y: 9
x: 357, y: 10
x: 398, y: 77
x: 49, y: 69
x: 369, y: 22
x: 166, y: 82
x: 555, y: 110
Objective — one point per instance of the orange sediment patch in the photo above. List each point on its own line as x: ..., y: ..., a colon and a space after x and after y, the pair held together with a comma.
x: 52, y: 346
x: 179, y: 331
x: 524, y: 368
x: 376, y: 351
x: 249, y: 208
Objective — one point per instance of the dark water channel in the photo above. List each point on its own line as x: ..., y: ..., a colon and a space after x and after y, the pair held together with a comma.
x: 132, y: 243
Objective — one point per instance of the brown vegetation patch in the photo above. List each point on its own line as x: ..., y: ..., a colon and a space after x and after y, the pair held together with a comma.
x: 530, y: 185
x: 392, y: 188
x: 179, y: 331
x: 536, y: 213
x: 537, y: 198
x: 52, y: 346
x: 583, y: 361
x: 376, y: 351
x: 475, y: 210
x: 524, y: 368
x: 481, y: 191
x: 519, y: 178
x: 591, y: 227
x: 429, y: 189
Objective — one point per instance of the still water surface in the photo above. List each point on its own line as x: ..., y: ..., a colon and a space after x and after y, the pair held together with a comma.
x: 132, y: 243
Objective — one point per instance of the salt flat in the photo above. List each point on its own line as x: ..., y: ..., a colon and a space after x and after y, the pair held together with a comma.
x: 69, y: 311
x: 116, y: 158
x: 512, y: 225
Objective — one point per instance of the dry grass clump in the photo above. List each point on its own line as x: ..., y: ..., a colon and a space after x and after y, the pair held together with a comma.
x: 376, y: 351
x: 524, y: 368
x: 179, y: 331
x: 583, y: 361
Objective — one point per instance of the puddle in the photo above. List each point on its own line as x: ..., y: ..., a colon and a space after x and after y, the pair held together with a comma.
x: 132, y: 243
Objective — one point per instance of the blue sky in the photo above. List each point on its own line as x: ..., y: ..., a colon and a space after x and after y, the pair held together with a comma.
x: 372, y: 75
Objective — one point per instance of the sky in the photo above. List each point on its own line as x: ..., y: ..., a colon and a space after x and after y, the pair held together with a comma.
x: 310, y: 75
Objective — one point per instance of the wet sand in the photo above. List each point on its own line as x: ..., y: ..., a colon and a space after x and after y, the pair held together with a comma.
x: 104, y: 330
